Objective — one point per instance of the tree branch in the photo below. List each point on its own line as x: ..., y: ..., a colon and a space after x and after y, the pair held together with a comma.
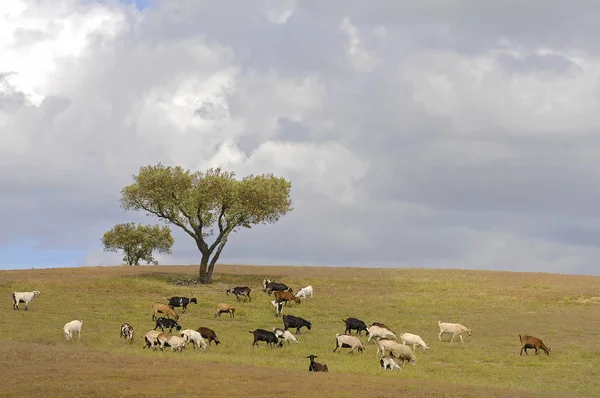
x: 222, y: 230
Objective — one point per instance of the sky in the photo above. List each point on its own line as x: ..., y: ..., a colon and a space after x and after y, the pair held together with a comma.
x: 443, y: 134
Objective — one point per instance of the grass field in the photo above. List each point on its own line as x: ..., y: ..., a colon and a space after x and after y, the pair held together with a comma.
x: 563, y: 310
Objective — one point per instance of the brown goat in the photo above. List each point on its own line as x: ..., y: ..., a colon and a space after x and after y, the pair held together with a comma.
x: 285, y: 296
x: 530, y: 342
x: 221, y: 308
x: 160, y: 308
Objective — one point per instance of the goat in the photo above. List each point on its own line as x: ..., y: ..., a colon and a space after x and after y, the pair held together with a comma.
x: 530, y: 342
x: 415, y: 340
x: 221, y: 308
x: 269, y: 286
x: 347, y: 341
x: 377, y: 332
x: 164, y: 323
x: 397, y: 350
x: 285, y: 296
x: 160, y: 308
x: 194, y: 337
x: 385, y: 363
x: 285, y: 334
x: 315, y: 366
x: 181, y: 302
x: 290, y: 321
x: 175, y: 342
x: 455, y: 328
x: 240, y: 291
x: 264, y: 335
x: 127, y: 332
x: 381, y: 325
x: 354, y: 324
x: 151, y: 339
x: 72, y: 327
x: 278, y: 306
x: 208, y: 334
x: 306, y: 292
x: 23, y: 297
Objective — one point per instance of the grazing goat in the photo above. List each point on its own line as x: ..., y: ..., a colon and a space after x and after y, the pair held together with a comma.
x: 315, y: 366
x: 385, y: 363
x: 266, y: 336
x: 240, y: 291
x: 225, y: 308
x: 127, y: 332
x: 455, y: 328
x: 290, y: 321
x: 286, y: 297
x: 278, y: 306
x: 208, y: 334
x: 347, y: 341
x: 530, y: 342
x: 399, y: 351
x: 354, y: 324
x: 164, y: 323
x: 415, y: 340
x: 381, y: 325
x: 175, y: 342
x: 378, y: 333
x: 285, y: 334
x: 269, y: 286
x: 181, y: 302
x: 305, y: 292
x: 23, y: 297
x: 160, y: 308
x: 194, y: 337
x: 151, y: 339
x: 72, y: 327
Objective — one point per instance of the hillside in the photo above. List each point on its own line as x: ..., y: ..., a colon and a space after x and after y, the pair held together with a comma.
x: 563, y: 310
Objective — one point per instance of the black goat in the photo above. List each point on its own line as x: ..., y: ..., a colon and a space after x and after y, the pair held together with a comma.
x: 269, y: 287
x: 315, y: 366
x: 165, y: 323
x: 177, y: 301
x: 355, y: 324
x: 290, y: 321
x: 240, y: 291
x: 266, y: 336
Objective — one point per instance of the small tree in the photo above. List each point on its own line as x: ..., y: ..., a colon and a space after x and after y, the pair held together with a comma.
x: 207, y: 203
x: 138, y: 241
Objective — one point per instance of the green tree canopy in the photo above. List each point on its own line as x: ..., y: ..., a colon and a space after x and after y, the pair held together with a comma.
x: 208, y: 203
x: 138, y: 241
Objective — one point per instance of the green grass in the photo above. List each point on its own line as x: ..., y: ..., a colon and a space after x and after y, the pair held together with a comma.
x: 497, y: 306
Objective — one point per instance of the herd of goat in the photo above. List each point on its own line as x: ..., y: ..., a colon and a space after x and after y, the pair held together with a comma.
x: 391, y: 353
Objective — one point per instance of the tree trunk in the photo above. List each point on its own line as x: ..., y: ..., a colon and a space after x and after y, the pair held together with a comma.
x: 205, y: 276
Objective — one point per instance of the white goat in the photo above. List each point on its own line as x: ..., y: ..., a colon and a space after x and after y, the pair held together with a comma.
x: 194, y: 337
x: 456, y: 329
x: 278, y: 306
x: 385, y: 363
x: 72, y: 327
x: 285, y: 334
x: 399, y: 351
x: 151, y: 339
x: 378, y: 333
x: 306, y: 292
x: 175, y: 342
x: 23, y: 297
x: 347, y: 341
x: 415, y: 340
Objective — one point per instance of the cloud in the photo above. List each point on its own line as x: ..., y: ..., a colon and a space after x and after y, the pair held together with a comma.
x: 443, y: 134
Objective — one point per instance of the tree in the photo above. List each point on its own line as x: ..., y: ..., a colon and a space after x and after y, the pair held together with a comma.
x: 138, y: 241
x: 208, y: 203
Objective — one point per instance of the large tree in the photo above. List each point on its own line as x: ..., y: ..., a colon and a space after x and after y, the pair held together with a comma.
x: 208, y: 203
x: 138, y: 241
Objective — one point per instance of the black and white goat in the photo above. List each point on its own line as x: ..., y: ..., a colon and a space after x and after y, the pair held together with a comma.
x: 240, y: 291
x: 183, y: 302
x: 165, y: 323
x: 23, y: 297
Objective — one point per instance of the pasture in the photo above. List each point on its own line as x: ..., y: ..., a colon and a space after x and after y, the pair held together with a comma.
x: 563, y: 310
